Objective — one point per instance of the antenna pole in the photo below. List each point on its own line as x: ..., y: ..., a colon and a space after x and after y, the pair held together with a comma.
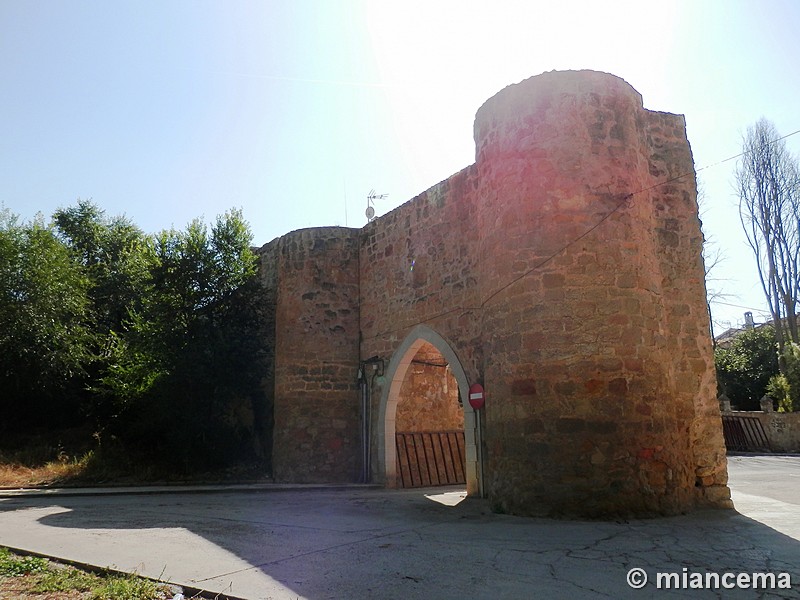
x: 371, y: 197
x: 344, y: 185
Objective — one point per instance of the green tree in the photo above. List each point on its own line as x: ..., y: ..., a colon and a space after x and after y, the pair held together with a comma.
x: 159, y: 337
x: 785, y: 387
x: 744, y: 368
x: 46, y: 339
x: 116, y: 258
x: 192, y: 353
x: 115, y: 255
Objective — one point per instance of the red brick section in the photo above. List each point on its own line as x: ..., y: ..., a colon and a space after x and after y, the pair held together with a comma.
x: 564, y: 269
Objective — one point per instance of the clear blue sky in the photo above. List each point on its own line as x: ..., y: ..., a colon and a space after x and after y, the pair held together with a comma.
x: 293, y: 111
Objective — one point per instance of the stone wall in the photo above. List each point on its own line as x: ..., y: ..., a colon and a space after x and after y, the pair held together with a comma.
x: 563, y: 271
x: 688, y: 354
x: 420, y: 265
x: 429, y: 396
x: 264, y: 424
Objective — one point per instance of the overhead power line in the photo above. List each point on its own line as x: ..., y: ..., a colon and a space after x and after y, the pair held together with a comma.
x: 623, y: 202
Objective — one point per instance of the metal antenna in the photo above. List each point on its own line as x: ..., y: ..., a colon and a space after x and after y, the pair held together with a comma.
x: 371, y: 197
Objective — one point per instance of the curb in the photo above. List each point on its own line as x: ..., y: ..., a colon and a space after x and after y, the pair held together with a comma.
x: 180, y: 489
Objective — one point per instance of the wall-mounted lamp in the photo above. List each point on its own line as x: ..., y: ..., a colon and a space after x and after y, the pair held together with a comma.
x: 373, y: 365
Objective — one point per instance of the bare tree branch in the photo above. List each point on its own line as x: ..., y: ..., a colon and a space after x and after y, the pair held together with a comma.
x: 769, y: 209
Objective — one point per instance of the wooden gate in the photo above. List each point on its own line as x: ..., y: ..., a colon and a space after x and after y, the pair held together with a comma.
x: 744, y: 434
x: 429, y: 458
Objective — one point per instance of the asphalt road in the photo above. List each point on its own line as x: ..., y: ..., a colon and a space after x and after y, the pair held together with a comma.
x: 373, y: 543
x: 775, y: 477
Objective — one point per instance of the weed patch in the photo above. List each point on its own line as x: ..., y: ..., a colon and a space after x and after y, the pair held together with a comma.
x: 12, y: 565
x: 30, y: 575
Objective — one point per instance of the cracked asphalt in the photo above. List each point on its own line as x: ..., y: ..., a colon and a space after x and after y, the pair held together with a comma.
x: 375, y: 543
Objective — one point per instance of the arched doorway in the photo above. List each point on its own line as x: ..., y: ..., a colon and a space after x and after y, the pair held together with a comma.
x: 425, y: 339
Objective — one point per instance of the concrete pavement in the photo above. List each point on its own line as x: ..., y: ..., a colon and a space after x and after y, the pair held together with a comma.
x: 374, y: 543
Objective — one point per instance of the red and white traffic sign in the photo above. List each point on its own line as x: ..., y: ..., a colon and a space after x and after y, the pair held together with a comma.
x: 477, y: 397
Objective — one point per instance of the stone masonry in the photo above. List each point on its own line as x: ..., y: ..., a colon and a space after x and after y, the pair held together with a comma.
x: 562, y: 271
x: 312, y: 276
x: 429, y: 396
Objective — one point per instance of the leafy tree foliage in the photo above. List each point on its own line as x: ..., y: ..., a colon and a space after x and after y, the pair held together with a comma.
x: 744, y: 368
x: 779, y: 389
x: 791, y: 360
x: 191, y: 353
x: 115, y: 256
x: 158, y: 339
x: 45, y: 332
x: 784, y: 388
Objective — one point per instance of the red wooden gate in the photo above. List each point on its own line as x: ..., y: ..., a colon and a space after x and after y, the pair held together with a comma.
x: 430, y: 458
x: 744, y: 434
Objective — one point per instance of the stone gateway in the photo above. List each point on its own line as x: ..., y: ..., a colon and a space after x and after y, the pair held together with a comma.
x: 562, y: 271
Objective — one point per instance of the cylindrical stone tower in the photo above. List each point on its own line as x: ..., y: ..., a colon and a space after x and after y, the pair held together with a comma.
x: 598, y: 365
x: 316, y: 408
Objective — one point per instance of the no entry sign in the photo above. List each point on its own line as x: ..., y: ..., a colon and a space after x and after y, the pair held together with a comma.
x: 477, y: 397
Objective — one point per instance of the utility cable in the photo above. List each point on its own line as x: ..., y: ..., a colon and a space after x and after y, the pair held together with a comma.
x: 623, y: 202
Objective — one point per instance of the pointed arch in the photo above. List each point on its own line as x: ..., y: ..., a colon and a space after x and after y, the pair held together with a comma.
x: 395, y: 375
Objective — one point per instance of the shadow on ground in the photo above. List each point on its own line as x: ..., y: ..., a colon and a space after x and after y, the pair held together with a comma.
x: 391, y: 544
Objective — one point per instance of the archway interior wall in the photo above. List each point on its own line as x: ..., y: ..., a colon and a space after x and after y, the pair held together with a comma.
x: 429, y: 396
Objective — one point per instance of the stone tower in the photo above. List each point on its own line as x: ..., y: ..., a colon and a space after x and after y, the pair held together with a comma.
x: 597, y: 353
x: 562, y: 271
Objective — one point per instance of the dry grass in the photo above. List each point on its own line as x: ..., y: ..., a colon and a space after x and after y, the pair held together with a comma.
x: 15, y: 474
x: 40, y: 459
x: 67, y: 458
x: 76, y: 458
x: 33, y: 459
